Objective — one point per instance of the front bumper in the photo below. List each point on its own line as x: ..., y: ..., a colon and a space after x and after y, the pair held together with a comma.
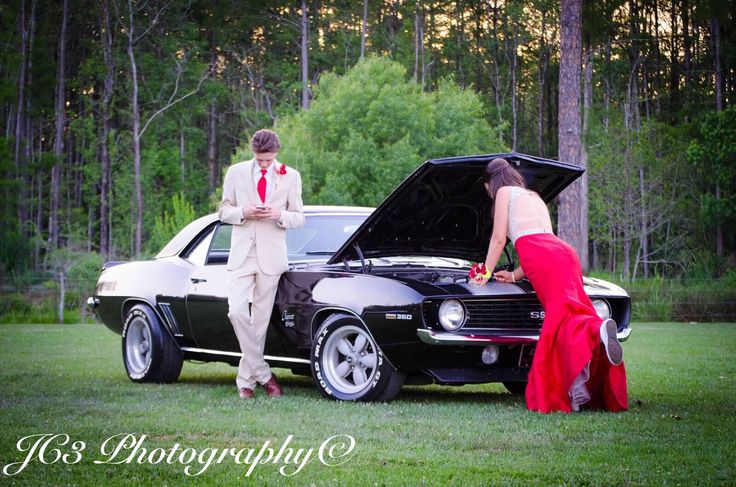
x: 444, y: 338
x: 93, y: 302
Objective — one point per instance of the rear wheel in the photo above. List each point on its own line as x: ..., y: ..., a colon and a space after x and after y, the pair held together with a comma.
x: 348, y: 365
x: 149, y: 352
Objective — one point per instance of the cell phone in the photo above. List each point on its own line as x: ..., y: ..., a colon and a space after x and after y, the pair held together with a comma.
x: 261, y: 207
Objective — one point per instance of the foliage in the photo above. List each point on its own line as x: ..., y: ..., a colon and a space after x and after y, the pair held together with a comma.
x: 367, y: 130
x: 166, y: 226
x: 713, y: 153
x: 440, y: 78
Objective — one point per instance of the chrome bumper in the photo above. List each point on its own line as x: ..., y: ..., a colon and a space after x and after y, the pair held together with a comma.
x: 443, y: 338
x: 93, y: 302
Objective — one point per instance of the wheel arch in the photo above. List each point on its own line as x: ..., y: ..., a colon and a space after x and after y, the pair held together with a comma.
x: 323, y: 314
x: 129, y: 303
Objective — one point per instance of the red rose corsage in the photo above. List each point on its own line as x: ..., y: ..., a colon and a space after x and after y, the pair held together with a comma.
x: 478, y: 272
x: 282, y: 169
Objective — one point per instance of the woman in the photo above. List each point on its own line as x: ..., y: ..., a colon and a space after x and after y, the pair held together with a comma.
x: 578, y: 359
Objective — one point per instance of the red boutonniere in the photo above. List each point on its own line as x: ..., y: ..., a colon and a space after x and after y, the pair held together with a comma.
x: 282, y: 169
x: 478, y: 272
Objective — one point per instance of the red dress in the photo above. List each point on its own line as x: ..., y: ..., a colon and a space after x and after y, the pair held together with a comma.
x: 570, y: 336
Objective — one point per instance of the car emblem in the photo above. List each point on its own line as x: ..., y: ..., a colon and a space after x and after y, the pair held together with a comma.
x: 398, y: 316
x: 288, y: 319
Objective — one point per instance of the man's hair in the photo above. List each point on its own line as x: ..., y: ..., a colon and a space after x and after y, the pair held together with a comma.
x: 265, y: 141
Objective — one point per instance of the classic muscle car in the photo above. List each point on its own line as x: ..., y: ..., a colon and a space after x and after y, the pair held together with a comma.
x: 373, y: 299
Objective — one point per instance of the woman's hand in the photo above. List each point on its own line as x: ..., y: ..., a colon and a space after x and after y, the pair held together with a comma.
x: 504, y: 276
x: 480, y: 281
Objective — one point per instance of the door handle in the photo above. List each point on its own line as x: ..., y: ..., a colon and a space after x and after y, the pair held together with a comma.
x: 196, y: 280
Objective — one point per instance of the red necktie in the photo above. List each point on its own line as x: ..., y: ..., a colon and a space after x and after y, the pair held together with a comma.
x: 262, y: 186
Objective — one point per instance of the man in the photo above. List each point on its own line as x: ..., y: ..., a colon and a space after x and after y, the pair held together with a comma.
x: 261, y: 199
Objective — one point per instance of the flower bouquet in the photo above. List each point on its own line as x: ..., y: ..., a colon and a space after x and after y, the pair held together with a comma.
x: 478, y: 272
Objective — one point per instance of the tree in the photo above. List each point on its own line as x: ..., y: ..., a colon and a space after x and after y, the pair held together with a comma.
x: 107, y: 92
x: 572, y: 223
x: 714, y: 152
x: 373, y: 125
x: 60, y: 117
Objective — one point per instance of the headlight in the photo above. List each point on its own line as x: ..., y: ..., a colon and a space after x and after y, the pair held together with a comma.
x: 452, y: 314
x: 602, y: 309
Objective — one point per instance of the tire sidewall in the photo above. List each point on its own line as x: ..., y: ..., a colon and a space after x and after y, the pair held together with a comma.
x: 140, y: 313
x: 383, y: 369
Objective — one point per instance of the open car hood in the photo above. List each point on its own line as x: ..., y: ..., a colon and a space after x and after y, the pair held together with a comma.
x: 442, y: 209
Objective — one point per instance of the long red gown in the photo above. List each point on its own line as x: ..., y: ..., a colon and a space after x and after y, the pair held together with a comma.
x: 570, y: 336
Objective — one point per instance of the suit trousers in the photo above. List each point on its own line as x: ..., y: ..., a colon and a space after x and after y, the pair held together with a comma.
x: 251, y: 325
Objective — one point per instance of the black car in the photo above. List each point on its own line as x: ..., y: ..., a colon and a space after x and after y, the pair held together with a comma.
x: 373, y: 299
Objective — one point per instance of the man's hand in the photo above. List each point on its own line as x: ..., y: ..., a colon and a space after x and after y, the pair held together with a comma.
x: 263, y: 213
x: 252, y: 212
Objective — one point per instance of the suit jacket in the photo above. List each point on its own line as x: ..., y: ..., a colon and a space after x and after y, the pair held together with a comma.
x: 269, y: 236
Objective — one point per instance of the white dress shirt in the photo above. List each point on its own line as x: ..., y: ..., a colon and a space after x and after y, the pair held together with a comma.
x: 270, y: 178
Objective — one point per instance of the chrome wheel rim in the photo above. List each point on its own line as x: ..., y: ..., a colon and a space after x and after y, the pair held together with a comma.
x: 138, y: 347
x: 350, y: 359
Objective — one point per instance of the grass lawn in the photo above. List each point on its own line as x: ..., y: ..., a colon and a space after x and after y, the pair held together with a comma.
x: 69, y: 379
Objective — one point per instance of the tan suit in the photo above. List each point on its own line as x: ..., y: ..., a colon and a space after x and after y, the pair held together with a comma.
x: 257, y: 259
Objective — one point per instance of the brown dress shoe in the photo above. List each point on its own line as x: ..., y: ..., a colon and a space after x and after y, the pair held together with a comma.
x: 273, y: 389
x: 245, y: 393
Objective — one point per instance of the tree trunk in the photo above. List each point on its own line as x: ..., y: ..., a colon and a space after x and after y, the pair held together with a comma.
x: 27, y: 158
x: 687, y: 42
x: 514, y: 68
x: 573, y: 202
x: 460, y: 44
x: 587, y: 104
x: 364, y: 29
x: 715, y: 30
x: 105, y: 177
x: 644, y: 238
x: 20, y: 114
x: 305, y: 56
x: 136, y: 135
x: 658, y: 55
x: 59, y: 117
x: 212, y: 146
x: 182, y: 156
x: 542, y: 76
x: 62, y: 290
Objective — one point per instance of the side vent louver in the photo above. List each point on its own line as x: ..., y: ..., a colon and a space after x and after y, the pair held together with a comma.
x: 169, y: 317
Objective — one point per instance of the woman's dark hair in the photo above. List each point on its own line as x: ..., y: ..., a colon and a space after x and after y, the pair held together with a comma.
x: 265, y: 141
x: 499, y: 173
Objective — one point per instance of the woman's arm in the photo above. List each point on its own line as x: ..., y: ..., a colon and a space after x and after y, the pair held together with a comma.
x: 500, y: 227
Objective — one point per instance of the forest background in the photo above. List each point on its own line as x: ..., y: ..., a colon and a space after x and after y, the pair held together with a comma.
x: 118, y: 119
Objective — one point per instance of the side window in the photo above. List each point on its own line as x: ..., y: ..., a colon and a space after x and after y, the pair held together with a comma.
x: 198, y: 254
x: 220, y: 247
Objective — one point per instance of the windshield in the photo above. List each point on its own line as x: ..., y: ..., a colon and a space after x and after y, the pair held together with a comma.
x: 321, y: 235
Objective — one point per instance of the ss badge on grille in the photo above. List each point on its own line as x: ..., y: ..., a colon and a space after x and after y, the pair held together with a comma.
x: 537, y: 315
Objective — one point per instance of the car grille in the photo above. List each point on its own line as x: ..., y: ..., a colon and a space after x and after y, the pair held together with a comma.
x: 492, y: 314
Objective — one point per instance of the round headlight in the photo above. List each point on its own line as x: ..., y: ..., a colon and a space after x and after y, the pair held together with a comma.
x: 452, y: 314
x: 602, y: 309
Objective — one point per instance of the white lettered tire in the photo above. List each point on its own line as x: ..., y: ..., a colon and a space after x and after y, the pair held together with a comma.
x: 149, y: 352
x: 348, y: 365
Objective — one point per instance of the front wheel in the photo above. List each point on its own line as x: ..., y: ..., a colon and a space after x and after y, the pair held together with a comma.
x: 149, y: 352
x: 347, y: 364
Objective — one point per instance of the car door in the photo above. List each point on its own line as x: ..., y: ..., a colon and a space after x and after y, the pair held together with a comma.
x: 207, y: 296
x: 207, y: 306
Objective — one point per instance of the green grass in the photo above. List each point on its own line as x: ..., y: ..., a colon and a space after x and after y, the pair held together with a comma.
x: 680, y: 429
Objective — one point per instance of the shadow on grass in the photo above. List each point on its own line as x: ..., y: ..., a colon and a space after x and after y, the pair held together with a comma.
x: 445, y: 394
x: 304, y: 385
